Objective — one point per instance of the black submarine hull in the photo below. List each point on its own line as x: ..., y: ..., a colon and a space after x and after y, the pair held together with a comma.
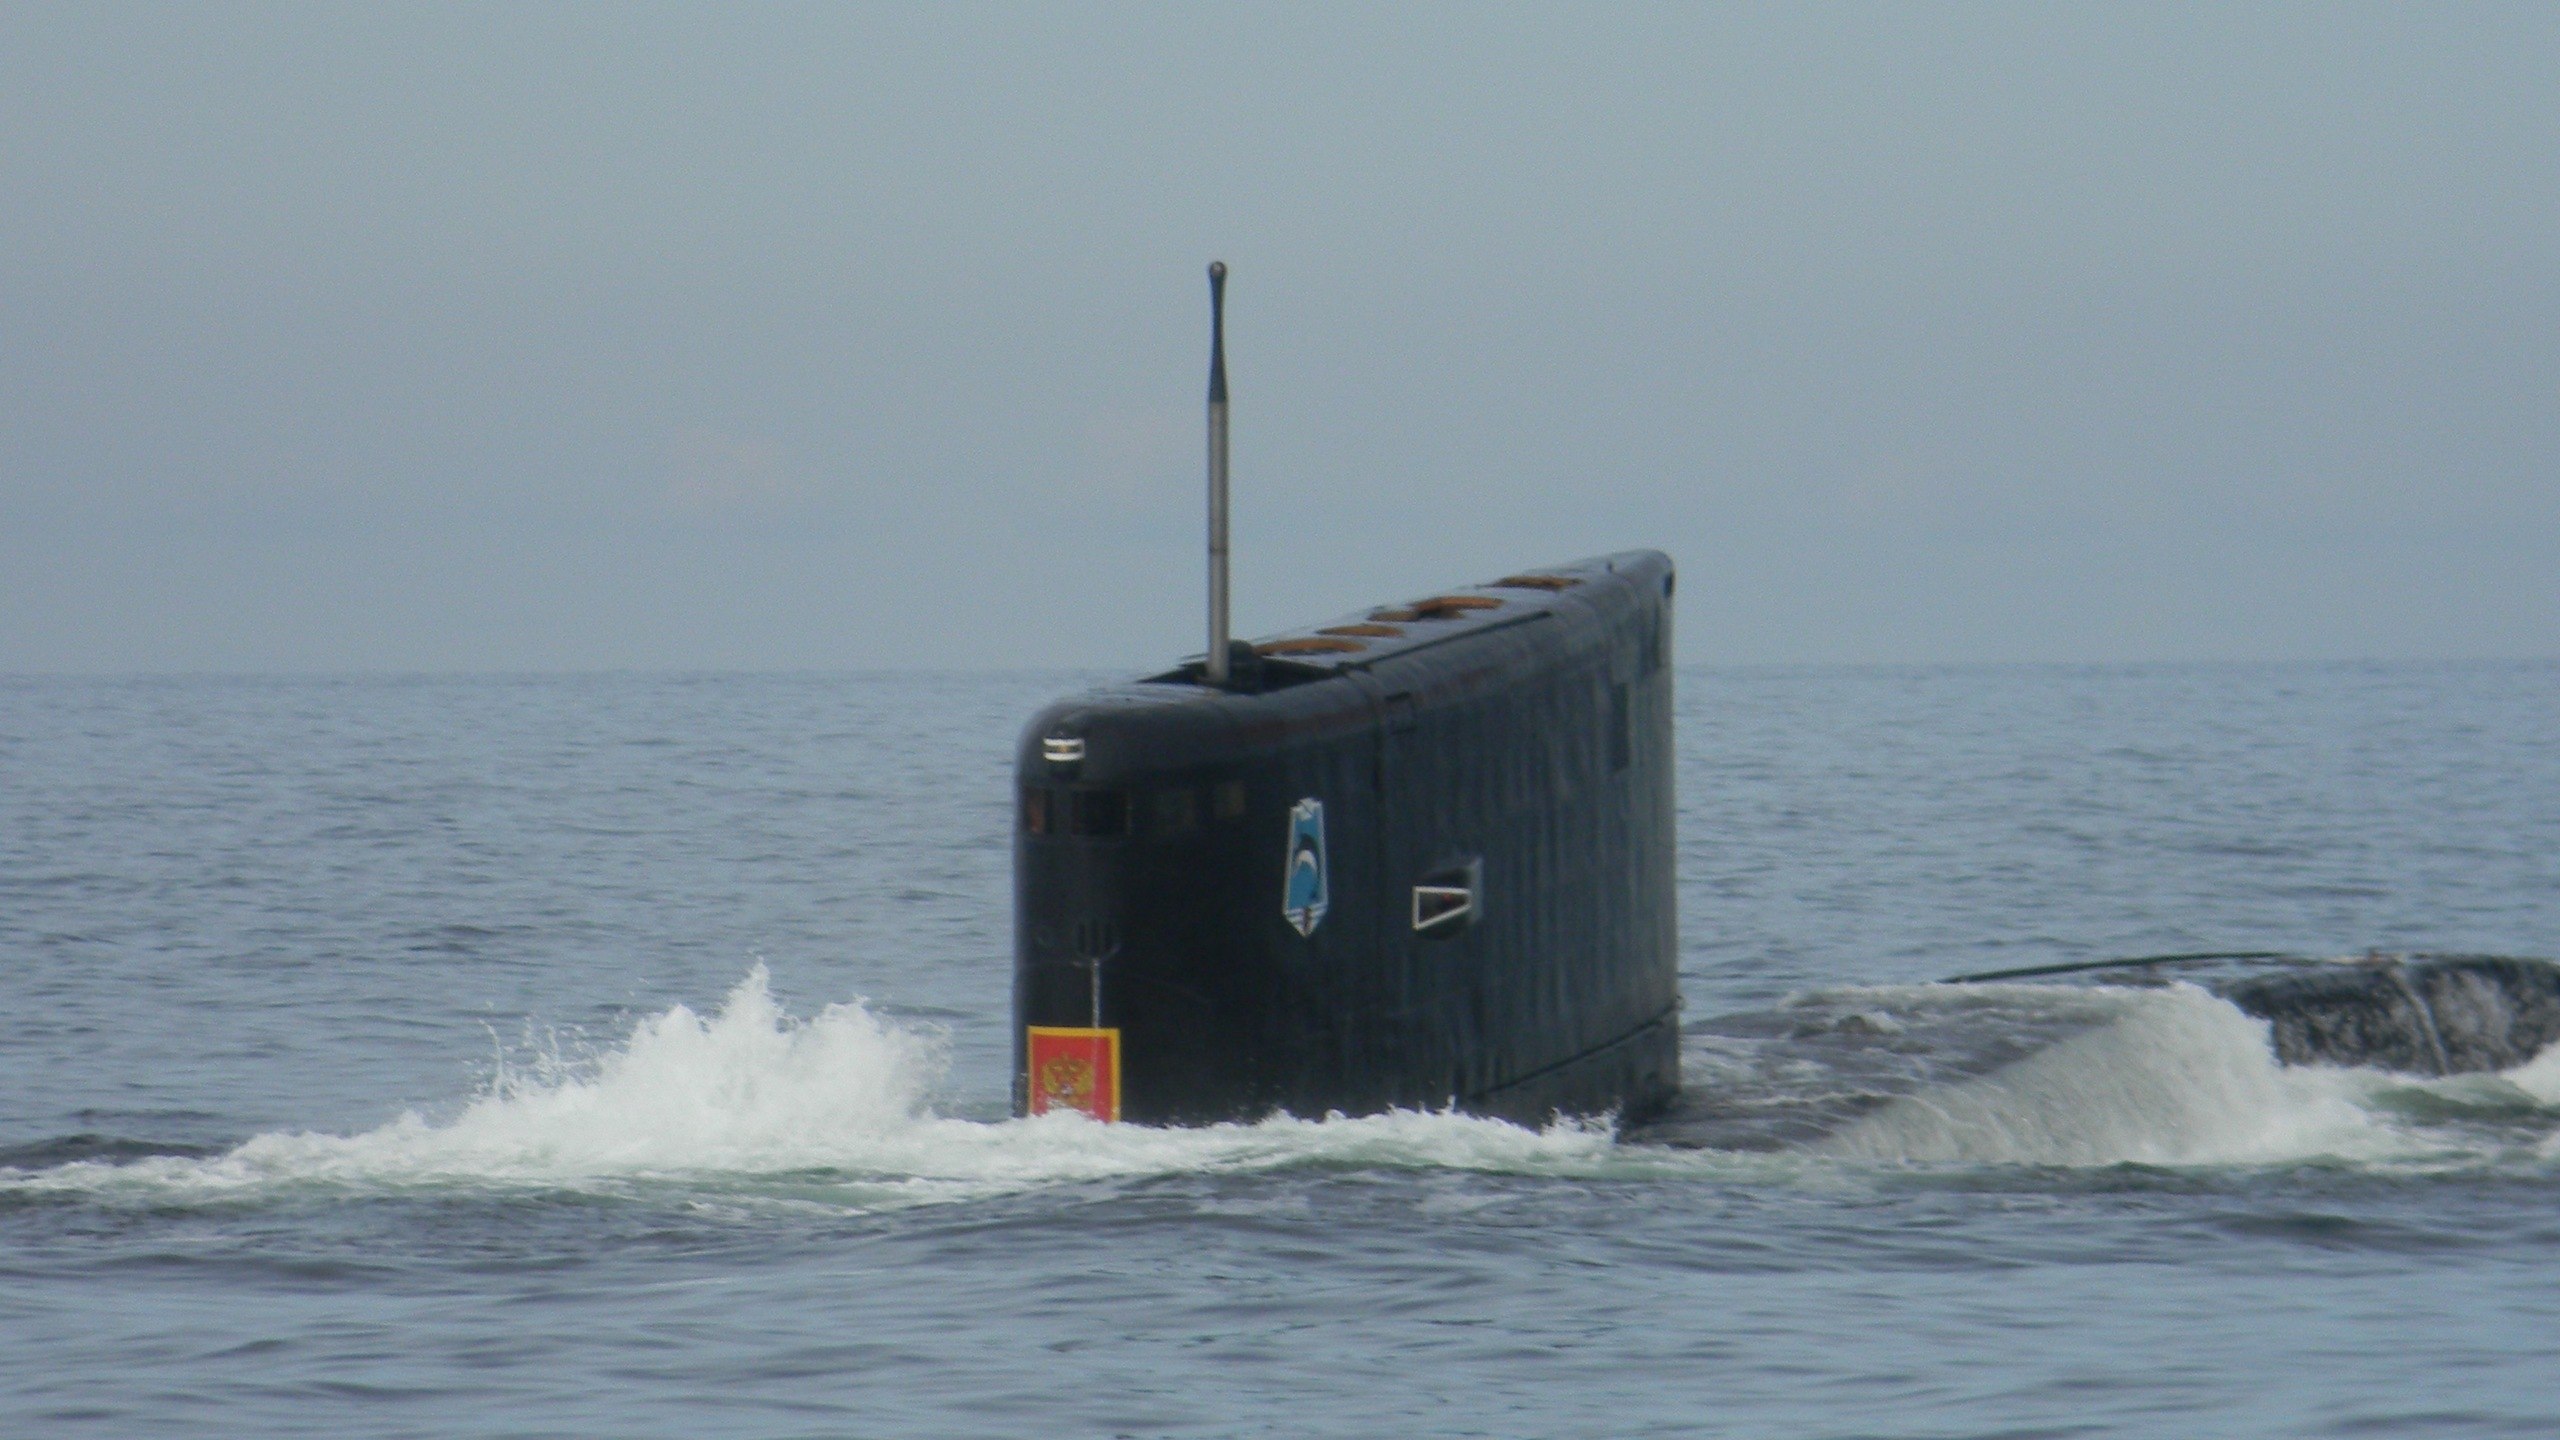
x: 1799, y: 1074
x: 1420, y: 858
x: 2430, y: 1015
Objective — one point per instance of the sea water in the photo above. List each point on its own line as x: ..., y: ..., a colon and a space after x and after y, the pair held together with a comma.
x: 626, y: 1055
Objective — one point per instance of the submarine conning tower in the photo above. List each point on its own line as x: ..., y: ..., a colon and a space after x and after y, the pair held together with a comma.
x: 1418, y: 857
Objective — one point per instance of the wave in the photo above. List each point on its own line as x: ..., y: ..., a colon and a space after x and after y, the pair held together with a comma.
x: 2176, y: 1076
x: 839, y: 1102
x: 839, y: 1107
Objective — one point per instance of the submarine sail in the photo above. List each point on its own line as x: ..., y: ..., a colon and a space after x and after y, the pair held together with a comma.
x: 1420, y: 856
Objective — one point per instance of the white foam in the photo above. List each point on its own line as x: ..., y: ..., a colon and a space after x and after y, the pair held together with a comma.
x: 840, y: 1100
x: 2176, y: 1077
x: 837, y: 1108
x: 2539, y: 1078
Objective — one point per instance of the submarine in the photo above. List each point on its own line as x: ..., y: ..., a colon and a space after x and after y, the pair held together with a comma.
x: 1803, y: 1072
x: 1421, y: 857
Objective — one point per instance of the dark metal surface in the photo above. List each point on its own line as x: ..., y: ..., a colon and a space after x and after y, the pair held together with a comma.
x: 2422, y: 1014
x: 1801, y: 1073
x: 2418, y: 1014
x: 1523, y: 742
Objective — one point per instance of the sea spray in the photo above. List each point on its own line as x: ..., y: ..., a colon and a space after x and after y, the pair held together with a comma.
x: 837, y: 1108
x: 2176, y: 1076
x: 840, y: 1099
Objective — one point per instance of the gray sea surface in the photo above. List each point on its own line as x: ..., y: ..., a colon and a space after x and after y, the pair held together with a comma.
x: 627, y: 1055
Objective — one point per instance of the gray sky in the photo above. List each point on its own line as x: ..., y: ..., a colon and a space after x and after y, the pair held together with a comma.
x: 363, y: 337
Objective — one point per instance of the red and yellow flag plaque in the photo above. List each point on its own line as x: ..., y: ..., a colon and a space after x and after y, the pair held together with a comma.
x: 1075, y: 1070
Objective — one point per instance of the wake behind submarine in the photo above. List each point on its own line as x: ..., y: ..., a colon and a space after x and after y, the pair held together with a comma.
x: 1422, y: 857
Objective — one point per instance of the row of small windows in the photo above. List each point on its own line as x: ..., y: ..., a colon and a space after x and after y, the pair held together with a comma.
x: 1098, y: 814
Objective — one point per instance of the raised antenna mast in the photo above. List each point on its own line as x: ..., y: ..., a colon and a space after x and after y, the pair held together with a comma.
x: 1217, y: 667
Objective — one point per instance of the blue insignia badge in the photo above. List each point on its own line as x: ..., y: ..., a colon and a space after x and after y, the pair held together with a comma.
x: 1302, y: 899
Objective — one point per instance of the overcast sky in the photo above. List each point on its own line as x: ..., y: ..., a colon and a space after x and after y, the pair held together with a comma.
x: 362, y: 337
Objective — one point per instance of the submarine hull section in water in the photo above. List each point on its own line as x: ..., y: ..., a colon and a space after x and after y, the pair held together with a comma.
x: 1799, y: 1074
x: 1419, y: 858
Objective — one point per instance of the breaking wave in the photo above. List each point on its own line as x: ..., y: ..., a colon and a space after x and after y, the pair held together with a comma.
x: 838, y: 1108
x: 2177, y: 1076
x: 837, y: 1105
x: 2174, y: 1077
